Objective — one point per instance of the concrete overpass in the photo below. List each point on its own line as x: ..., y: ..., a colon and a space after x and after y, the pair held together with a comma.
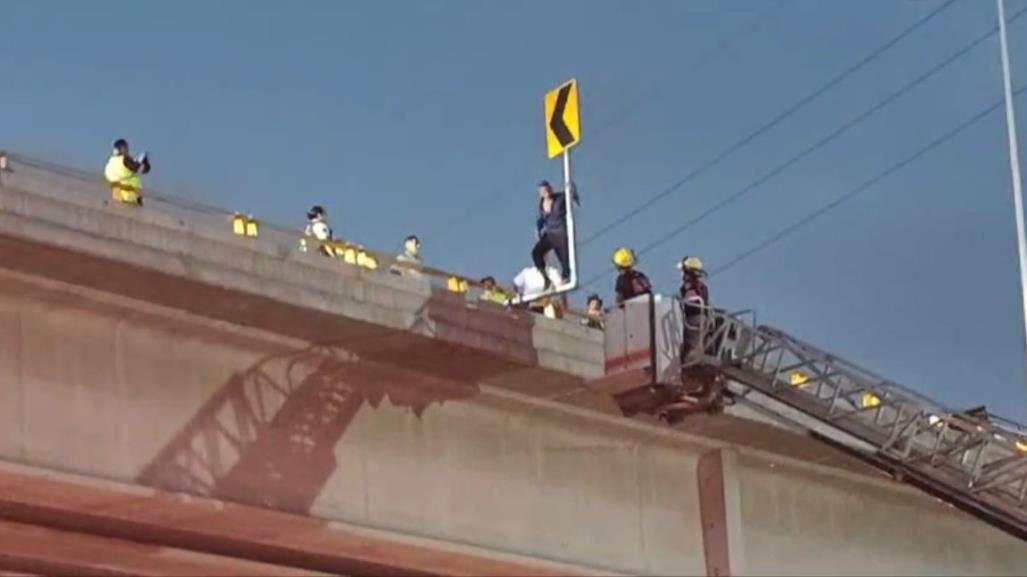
x: 175, y: 398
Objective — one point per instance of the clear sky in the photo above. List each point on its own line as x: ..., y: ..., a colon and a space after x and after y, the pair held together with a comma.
x: 426, y: 117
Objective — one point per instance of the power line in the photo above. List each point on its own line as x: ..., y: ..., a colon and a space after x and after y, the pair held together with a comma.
x: 862, y: 187
x: 716, y: 50
x: 738, y: 145
x: 791, y: 161
x: 709, y: 54
x: 739, y: 194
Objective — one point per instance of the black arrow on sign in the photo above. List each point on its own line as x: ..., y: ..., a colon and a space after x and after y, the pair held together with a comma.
x: 556, y: 124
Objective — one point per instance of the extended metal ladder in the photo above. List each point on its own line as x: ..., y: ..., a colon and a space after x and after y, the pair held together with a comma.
x: 974, y: 461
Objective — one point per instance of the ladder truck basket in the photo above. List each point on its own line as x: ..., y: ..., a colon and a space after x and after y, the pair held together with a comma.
x: 648, y: 331
x: 644, y: 331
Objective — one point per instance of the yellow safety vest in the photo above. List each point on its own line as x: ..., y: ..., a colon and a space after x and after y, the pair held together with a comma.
x: 495, y: 296
x: 126, y: 183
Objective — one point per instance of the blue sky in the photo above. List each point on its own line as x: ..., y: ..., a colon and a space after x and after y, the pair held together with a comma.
x: 425, y: 117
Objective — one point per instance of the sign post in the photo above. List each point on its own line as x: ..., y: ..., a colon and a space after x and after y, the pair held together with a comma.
x: 572, y: 243
x: 563, y: 132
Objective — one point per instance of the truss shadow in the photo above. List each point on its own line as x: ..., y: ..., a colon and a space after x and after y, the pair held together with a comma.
x: 267, y: 437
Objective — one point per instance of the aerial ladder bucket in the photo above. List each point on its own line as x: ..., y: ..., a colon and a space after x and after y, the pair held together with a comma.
x: 648, y: 369
x: 969, y: 459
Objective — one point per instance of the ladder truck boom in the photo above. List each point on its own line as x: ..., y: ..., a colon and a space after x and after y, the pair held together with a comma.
x: 969, y: 459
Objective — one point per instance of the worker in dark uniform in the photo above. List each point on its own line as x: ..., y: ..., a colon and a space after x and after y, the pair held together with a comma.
x: 695, y: 302
x: 630, y: 282
x: 551, y: 229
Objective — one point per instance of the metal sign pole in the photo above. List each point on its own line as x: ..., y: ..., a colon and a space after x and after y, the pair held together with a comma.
x: 1014, y: 162
x: 572, y: 249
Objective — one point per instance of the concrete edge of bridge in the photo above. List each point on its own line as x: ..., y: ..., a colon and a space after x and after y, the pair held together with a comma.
x: 103, y: 508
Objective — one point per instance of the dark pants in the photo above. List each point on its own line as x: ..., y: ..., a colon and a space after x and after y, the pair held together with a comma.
x: 552, y: 241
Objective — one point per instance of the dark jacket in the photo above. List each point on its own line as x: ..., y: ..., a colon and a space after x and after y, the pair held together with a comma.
x: 134, y: 165
x: 693, y: 292
x: 630, y: 284
x: 556, y: 219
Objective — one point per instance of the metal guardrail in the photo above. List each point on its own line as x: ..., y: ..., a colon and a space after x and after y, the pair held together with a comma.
x: 200, y: 217
x: 975, y: 460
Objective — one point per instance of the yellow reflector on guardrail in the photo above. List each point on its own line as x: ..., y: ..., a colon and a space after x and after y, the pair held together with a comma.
x: 367, y: 260
x: 251, y: 226
x: 244, y: 225
x: 799, y: 379
x: 457, y: 285
x: 870, y: 400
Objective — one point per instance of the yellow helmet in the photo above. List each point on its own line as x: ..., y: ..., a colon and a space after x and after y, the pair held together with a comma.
x: 691, y: 263
x: 624, y: 257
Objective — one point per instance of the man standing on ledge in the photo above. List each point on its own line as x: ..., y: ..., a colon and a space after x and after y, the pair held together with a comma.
x: 551, y: 227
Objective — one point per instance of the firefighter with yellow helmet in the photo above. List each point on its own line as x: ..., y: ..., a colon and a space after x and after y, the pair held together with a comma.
x: 695, y: 300
x: 630, y: 282
x: 122, y: 172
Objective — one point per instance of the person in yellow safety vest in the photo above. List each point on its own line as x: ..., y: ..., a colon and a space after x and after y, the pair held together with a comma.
x: 491, y: 292
x: 630, y: 282
x: 122, y: 172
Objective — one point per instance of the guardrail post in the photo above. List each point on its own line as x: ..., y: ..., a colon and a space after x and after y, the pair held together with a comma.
x: 653, y: 369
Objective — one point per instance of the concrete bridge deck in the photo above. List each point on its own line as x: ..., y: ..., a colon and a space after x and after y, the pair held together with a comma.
x: 156, y: 358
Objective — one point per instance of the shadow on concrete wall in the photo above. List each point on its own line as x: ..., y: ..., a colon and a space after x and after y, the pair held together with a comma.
x: 268, y: 436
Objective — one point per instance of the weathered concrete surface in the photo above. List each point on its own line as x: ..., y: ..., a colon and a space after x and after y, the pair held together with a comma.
x: 117, y: 389
x: 106, y: 386
x: 199, y: 251
x: 46, y: 551
x: 141, y: 348
x: 160, y: 521
x: 798, y: 519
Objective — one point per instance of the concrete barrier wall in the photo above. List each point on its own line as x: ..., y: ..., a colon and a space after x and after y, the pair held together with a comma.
x: 522, y: 479
x: 105, y: 386
x: 115, y: 389
x: 40, y: 206
x: 798, y: 519
x: 99, y: 383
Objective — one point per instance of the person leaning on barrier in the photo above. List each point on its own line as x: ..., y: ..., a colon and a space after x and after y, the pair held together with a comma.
x: 491, y: 292
x: 630, y: 282
x: 594, y: 314
x: 411, y: 251
x: 319, y: 229
x: 122, y: 172
x: 409, y: 262
x: 695, y: 300
x: 530, y: 284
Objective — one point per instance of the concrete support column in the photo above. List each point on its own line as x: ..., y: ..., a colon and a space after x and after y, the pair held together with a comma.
x: 720, y: 508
